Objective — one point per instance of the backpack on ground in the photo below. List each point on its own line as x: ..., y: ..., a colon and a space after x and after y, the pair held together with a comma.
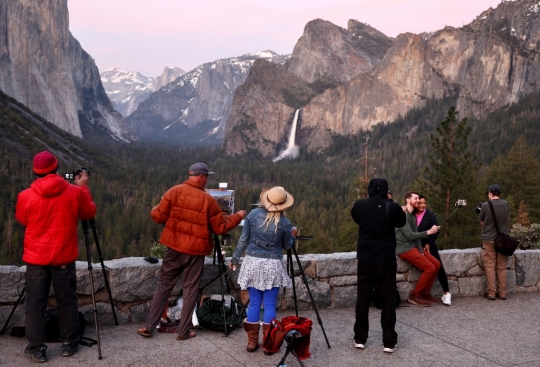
x: 210, y: 313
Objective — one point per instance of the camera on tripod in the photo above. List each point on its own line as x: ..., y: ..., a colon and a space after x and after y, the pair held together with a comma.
x: 71, y: 176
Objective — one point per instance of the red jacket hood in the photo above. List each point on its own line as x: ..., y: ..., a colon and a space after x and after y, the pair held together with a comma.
x: 49, y: 186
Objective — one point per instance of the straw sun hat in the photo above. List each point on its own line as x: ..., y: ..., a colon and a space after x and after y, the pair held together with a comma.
x: 276, y: 199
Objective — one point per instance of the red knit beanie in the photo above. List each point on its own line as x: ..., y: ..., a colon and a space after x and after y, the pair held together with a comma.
x: 45, y: 162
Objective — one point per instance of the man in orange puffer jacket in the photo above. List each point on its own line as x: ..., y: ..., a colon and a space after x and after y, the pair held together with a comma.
x: 50, y: 210
x: 190, y: 215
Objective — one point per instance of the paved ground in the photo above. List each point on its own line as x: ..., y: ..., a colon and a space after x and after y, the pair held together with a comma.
x: 471, y: 332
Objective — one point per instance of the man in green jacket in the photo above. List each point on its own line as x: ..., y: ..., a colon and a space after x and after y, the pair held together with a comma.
x: 409, y: 248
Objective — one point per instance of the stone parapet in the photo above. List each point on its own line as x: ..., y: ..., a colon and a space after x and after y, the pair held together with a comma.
x: 331, y: 279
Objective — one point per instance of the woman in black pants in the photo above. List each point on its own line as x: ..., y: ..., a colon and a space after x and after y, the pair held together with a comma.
x: 425, y: 219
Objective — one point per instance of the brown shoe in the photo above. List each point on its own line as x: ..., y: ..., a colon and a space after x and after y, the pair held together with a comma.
x: 192, y: 333
x: 252, y: 331
x: 489, y: 296
x: 430, y: 298
x: 416, y: 299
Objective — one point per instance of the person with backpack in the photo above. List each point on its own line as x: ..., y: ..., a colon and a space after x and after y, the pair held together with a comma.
x: 266, y: 233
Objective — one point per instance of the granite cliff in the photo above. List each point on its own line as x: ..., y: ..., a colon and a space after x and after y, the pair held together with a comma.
x: 490, y: 63
x: 44, y: 67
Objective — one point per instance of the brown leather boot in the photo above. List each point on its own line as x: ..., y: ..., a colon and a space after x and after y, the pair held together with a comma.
x: 252, y: 330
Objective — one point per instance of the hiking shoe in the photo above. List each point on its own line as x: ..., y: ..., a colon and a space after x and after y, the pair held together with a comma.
x: 416, y: 299
x: 359, y: 345
x: 501, y: 297
x: 446, y: 299
x: 489, y: 296
x: 430, y: 298
x: 38, y: 355
x: 69, y: 349
x: 390, y: 350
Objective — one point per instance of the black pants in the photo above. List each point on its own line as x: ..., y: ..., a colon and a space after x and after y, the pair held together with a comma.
x: 384, y: 276
x: 38, y: 284
x: 443, y: 279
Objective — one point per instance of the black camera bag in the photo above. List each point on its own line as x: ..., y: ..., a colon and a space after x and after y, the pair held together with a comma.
x: 504, y: 244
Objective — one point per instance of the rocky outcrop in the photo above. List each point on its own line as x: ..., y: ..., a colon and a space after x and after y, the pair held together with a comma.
x: 194, y: 108
x: 127, y: 89
x: 324, y: 57
x: 169, y: 74
x: 46, y: 69
x: 490, y: 63
x: 330, y: 53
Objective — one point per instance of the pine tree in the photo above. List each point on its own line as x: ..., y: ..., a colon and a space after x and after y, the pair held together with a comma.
x: 450, y: 176
x: 518, y: 175
x: 523, y: 215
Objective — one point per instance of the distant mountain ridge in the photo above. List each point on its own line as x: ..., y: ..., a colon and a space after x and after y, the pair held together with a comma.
x: 127, y: 89
x: 46, y: 69
x: 492, y: 62
x: 193, y: 109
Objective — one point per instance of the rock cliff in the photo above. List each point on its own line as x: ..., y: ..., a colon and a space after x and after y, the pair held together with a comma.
x: 46, y: 69
x: 487, y: 64
x: 325, y: 56
x: 194, y: 108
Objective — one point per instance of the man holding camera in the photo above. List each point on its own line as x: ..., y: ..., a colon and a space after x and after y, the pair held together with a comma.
x: 495, y: 263
x: 377, y: 216
x: 50, y: 210
x: 190, y: 216
x: 409, y: 248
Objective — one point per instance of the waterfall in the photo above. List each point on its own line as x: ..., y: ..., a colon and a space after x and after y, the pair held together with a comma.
x: 292, y: 150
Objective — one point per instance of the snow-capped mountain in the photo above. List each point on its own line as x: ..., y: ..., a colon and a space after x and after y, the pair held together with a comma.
x: 195, y: 107
x: 127, y: 89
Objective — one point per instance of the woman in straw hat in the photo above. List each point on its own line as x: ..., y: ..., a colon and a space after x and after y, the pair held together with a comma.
x: 266, y: 233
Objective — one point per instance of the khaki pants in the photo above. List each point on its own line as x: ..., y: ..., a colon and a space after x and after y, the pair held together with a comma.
x: 495, y: 264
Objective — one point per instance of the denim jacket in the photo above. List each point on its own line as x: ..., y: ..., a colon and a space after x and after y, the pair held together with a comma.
x: 262, y: 242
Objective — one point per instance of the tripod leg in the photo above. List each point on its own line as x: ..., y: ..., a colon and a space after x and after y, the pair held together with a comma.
x: 217, y: 251
x: 107, y: 286
x: 310, y: 295
x: 88, y: 257
x: 21, y: 296
x: 290, y: 266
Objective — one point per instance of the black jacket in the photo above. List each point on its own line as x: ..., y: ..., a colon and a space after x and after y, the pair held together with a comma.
x: 377, y: 217
x: 428, y: 220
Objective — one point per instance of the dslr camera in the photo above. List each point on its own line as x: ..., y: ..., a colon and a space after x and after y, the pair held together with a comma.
x: 71, y: 176
x: 477, y: 209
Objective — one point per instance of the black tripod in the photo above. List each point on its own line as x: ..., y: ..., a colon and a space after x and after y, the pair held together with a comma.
x: 222, y: 270
x: 293, y: 334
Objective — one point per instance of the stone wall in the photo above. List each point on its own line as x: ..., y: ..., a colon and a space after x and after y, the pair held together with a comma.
x: 331, y: 279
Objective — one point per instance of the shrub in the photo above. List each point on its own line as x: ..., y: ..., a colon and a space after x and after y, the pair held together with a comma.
x: 528, y: 237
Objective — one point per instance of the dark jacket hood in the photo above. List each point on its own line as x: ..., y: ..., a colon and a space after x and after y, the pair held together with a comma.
x: 378, y: 187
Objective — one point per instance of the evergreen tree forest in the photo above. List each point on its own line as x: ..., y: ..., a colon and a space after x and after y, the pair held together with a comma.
x: 129, y: 179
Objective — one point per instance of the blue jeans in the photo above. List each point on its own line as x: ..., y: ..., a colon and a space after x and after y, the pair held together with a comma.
x: 256, y: 298
x: 38, y: 284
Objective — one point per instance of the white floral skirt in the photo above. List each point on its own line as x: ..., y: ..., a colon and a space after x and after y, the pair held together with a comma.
x: 263, y: 274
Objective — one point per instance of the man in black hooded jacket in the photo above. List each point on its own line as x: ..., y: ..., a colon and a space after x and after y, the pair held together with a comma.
x: 377, y: 218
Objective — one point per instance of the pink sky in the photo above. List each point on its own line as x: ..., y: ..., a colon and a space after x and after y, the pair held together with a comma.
x: 147, y: 35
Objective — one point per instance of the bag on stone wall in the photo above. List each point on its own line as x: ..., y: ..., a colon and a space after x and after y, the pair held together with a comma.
x: 210, y: 313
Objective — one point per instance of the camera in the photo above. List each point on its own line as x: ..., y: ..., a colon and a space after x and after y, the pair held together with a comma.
x: 71, y: 176
x: 477, y: 209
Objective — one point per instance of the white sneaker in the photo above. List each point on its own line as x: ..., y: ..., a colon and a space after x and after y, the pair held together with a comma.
x: 359, y: 345
x: 447, y: 299
x: 390, y: 350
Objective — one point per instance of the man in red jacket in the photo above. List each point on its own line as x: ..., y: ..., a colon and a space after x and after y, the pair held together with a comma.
x: 50, y: 210
x: 190, y: 215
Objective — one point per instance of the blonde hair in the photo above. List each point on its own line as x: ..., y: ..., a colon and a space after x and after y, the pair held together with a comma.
x: 271, y: 217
